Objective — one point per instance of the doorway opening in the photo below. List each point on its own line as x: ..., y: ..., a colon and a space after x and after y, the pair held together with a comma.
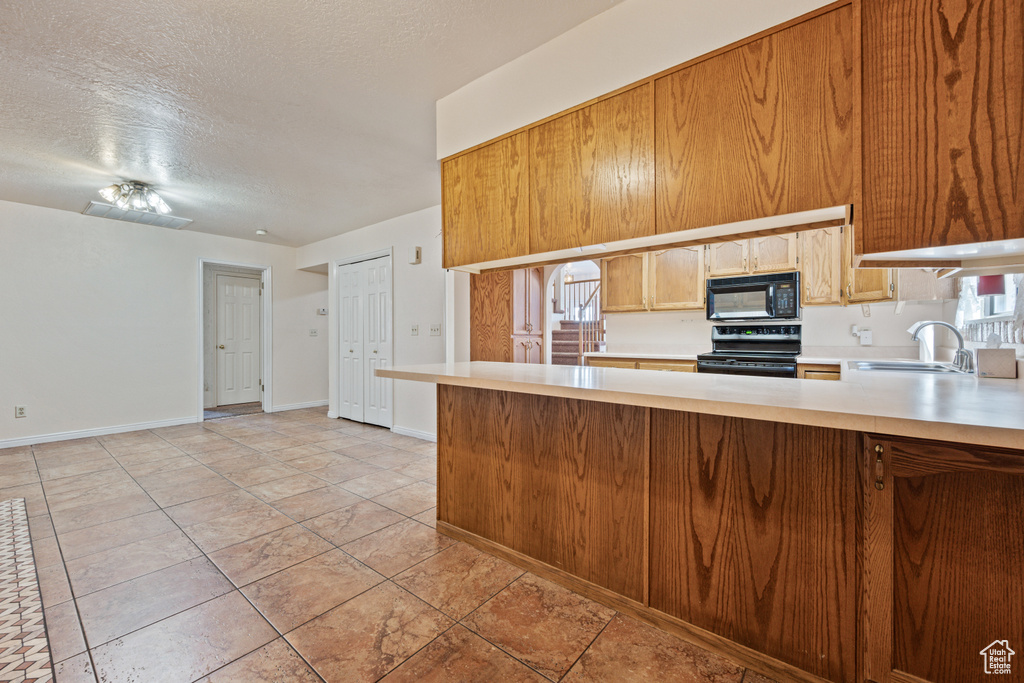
x: 365, y: 338
x: 574, y: 312
x: 234, y: 348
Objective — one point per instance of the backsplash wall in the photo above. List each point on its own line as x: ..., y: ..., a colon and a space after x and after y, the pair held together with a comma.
x: 680, y: 332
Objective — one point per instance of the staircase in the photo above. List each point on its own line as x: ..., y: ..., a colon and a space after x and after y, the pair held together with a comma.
x: 565, y: 344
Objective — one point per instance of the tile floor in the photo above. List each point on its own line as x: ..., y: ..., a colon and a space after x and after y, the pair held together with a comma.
x: 293, y: 547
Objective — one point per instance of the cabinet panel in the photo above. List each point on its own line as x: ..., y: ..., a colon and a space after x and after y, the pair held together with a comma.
x: 676, y: 279
x: 527, y: 349
x: 592, y: 174
x: 728, y: 258
x: 490, y: 316
x: 745, y: 516
x: 821, y: 266
x: 762, y: 130
x: 943, y: 122
x: 624, y: 283
x: 946, y: 553
x: 775, y: 253
x: 561, y: 480
x: 611, y: 363
x: 668, y: 366
x: 528, y: 301
x: 863, y: 285
x: 484, y: 203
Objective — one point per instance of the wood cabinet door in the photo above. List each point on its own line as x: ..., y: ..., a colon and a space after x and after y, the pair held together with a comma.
x: 527, y: 301
x: 821, y: 266
x: 865, y: 285
x: 668, y: 366
x: 592, y: 174
x: 624, y: 283
x: 490, y: 316
x: 611, y: 363
x: 675, y: 279
x: 943, y: 122
x: 728, y: 258
x: 942, y: 558
x: 775, y: 253
x: 762, y: 130
x: 484, y: 207
x: 526, y: 349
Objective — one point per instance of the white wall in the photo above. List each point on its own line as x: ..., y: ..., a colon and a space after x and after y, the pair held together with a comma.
x: 99, y: 321
x: 826, y: 330
x: 624, y: 44
x: 419, y: 296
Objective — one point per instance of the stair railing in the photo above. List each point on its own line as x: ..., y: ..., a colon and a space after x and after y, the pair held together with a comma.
x: 591, y: 323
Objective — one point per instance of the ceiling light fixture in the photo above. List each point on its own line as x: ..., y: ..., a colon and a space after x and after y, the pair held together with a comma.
x: 261, y: 231
x: 134, y: 195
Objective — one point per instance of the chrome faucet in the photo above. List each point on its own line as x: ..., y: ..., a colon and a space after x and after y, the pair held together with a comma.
x: 962, y: 360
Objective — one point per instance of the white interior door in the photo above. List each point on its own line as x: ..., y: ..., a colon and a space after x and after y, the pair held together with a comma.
x: 377, y: 276
x: 238, y: 340
x: 350, y: 280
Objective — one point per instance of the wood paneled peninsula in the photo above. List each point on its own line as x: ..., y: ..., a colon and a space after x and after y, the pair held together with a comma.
x: 869, y: 529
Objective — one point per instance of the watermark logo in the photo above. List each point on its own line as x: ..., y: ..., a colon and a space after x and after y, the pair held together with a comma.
x: 997, y: 657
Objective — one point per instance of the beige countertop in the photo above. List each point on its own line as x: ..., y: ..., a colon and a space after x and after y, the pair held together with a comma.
x: 959, y: 408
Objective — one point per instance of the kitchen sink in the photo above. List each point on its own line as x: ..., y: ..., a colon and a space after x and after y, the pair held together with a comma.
x: 903, y: 366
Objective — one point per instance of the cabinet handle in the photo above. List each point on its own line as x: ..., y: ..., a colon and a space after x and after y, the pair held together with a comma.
x: 892, y: 287
x: 643, y: 302
x: 879, y: 468
x: 848, y: 294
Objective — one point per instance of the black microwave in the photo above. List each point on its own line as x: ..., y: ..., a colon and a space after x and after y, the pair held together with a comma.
x: 754, y: 297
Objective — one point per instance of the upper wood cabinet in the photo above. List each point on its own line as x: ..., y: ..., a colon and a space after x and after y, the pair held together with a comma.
x: 821, y: 267
x: 666, y: 280
x: 675, y: 279
x: 775, y: 253
x: 484, y: 197
x: 592, y: 174
x: 728, y: 258
x: 864, y: 285
x: 624, y: 283
x: 761, y: 130
x: 943, y: 123
x: 771, y: 254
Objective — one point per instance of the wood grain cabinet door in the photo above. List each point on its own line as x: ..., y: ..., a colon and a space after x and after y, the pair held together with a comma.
x: 484, y: 207
x: 943, y: 559
x: 864, y: 285
x: 821, y: 266
x: 943, y: 122
x: 728, y: 258
x: 675, y: 279
x: 775, y: 253
x: 592, y: 174
x: 624, y: 283
x: 490, y: 316
x: 528, y: 301
x: 762, y: 130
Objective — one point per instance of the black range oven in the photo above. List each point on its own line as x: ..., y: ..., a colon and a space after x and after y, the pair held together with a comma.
x: 758, y: 350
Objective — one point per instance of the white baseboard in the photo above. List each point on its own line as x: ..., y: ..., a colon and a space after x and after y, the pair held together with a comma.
x: 100, y: 431
x: 405, y: 431
x: 299, y: 406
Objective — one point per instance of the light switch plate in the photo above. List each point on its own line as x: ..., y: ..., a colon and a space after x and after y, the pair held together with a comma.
x: 314, y: 333
x: 321, y: 311
x: 435, y: 330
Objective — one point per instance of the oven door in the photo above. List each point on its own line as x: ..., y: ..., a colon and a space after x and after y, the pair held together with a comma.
x: 741, y: 302
x: 724, y: 367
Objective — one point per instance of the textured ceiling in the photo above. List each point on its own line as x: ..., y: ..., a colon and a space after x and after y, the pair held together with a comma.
x: 307, y: 118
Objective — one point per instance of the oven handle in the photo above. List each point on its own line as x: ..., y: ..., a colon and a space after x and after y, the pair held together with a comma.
x: 770, y: 304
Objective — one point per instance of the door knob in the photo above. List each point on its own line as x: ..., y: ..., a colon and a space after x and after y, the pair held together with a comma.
x: 351, y: 351
x: 375, y: 350
x: 221, y: 346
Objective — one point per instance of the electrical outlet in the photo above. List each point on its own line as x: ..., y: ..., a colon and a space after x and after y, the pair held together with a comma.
x: 435, y: 330
x: 20, y: 411
x: 415, y: 330
x: 314, y: 333
x: 321, y: 311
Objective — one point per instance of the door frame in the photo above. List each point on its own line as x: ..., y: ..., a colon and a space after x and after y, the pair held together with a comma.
x: 266, y: 332
x: 334, y: 336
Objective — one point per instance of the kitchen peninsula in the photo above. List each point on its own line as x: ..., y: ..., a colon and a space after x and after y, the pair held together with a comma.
x: 866, y: 529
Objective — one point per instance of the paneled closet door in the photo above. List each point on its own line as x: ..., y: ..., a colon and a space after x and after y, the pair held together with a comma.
x: 350, y: 297
x: 378, y: 341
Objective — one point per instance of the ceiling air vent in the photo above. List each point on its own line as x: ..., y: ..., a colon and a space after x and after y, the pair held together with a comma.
x: 145, y: 217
